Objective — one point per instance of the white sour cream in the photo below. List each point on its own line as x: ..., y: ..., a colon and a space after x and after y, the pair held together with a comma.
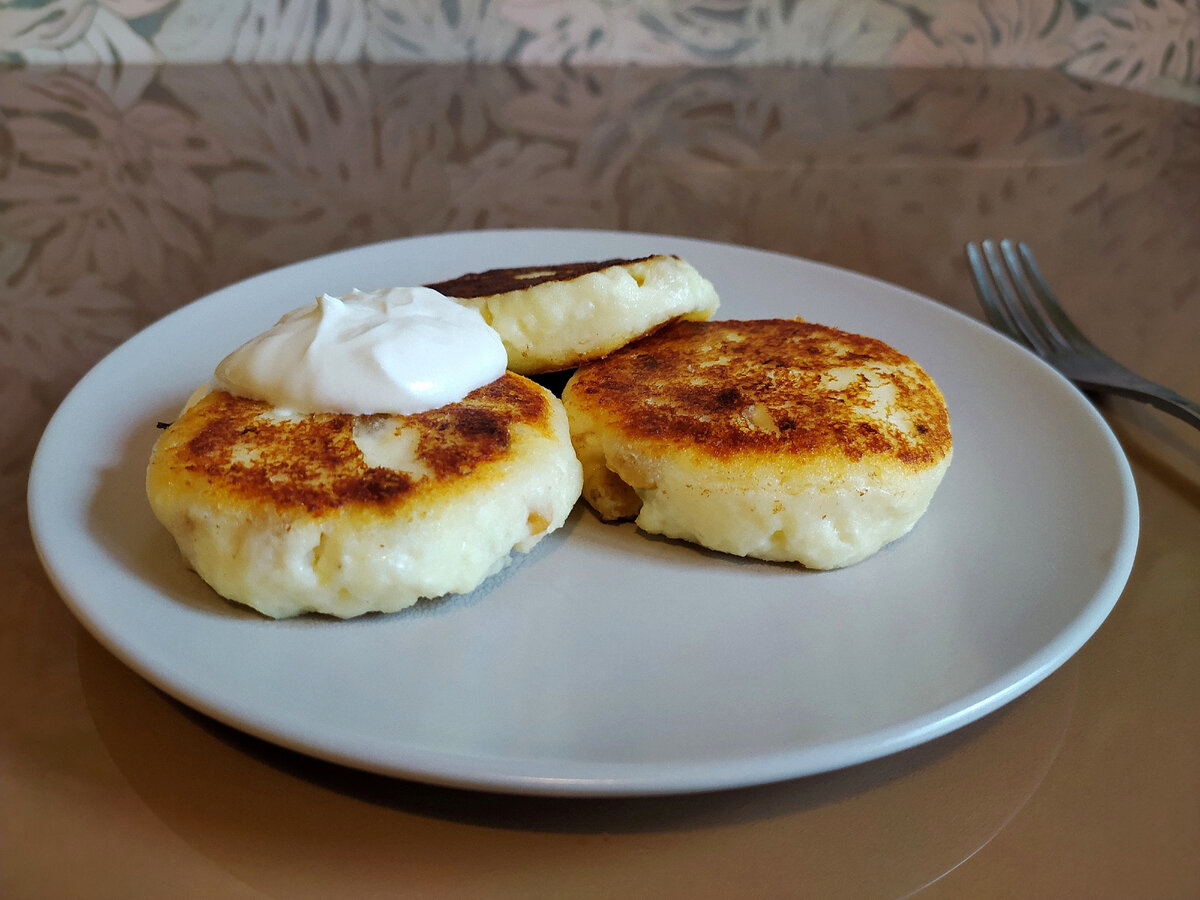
x: 401, y: 350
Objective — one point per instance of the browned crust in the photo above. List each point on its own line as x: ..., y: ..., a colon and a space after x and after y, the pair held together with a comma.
x: 311, y: 463
x: 504, y: 281
x: 772, y: 366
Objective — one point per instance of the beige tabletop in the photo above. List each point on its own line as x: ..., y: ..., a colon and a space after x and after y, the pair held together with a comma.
x: 127, y: 193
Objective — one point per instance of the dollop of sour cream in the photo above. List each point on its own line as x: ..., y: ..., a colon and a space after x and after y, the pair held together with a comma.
x: 400, y: 350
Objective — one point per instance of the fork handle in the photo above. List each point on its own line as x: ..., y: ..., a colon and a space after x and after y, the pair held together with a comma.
x: 1155, y: 394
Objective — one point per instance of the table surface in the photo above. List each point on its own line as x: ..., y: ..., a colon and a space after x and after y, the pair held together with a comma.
x: 127, y: 193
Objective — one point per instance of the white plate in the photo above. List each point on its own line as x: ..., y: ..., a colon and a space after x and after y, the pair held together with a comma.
x: 608, y: 662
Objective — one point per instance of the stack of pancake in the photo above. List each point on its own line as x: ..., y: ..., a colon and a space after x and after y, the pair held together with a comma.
x: 777, y: 439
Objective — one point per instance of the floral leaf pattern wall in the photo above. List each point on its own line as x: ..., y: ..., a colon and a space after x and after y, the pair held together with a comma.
x: 1152, y: 45
x: 128, y: 191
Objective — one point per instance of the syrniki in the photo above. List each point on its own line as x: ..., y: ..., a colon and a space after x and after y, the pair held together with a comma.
x: 776, y: 439
x: 556, y: 317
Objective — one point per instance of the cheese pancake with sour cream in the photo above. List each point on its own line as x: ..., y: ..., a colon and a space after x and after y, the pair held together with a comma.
x: 347, y: 514
x: 776, y: 439
x: 430, y: 467
x: 556, y: 317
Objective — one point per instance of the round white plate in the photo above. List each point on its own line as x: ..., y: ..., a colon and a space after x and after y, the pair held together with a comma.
x: 608, y: 662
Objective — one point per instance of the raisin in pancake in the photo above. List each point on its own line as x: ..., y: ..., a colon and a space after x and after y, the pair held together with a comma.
x: 777, y: 439
x: 553, y: 318
x: 345, y: 514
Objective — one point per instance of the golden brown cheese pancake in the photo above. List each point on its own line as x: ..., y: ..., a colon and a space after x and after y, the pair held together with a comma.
x: 345, y: 514
x: 555, y: 317
x: 777, y: 439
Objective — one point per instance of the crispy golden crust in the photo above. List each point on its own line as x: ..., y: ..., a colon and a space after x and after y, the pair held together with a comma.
x: 504, y: 281
x: 312, y: 466
x: 772, y: 387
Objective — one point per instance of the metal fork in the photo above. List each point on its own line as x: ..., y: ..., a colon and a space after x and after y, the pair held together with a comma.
x: 1018, y: 302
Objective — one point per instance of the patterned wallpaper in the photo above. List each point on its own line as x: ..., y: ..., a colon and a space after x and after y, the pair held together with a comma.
x: 1152, y: 45
x: 125, y: 195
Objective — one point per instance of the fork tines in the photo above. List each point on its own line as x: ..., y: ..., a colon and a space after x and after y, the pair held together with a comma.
x: 1019, y: 303
x: 1017, y: 300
